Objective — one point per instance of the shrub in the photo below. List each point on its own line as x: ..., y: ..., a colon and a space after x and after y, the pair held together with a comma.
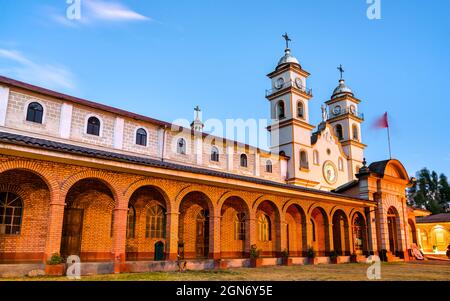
x: 285, y: 253
x: 311, y: 253
x: 254, y: 252
x: 333, y: 254
x: 56, y: 259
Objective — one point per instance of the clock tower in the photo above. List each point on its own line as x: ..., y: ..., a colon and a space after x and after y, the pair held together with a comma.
x: 289, y: 102
x: 346, y: 120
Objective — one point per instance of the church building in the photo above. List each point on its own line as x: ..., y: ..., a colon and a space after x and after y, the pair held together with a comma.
x: 129, y: 193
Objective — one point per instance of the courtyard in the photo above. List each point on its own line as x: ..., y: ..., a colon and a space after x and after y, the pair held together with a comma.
x: 396, y: 271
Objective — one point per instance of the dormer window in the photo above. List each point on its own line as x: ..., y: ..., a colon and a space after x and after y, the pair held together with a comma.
x: 181, y: 146
x: 141, y: 137
x: 93, y: 126
x: 35, y: 112
x: 244, y: 162
x: 214, y: 154
x: 269, y: 166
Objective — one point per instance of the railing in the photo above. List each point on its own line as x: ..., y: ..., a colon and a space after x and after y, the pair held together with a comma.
x: 347, y: 111
x: 288, y: 85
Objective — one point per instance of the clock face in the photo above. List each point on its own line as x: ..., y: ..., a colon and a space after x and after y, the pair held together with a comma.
x: 330, y: 172
x: 279, y: 83
x: 337, y: 110
x: 299, y: 83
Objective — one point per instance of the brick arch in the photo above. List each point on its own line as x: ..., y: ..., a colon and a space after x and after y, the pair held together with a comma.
x: 224, y: 197
x: 149, y: 182
x: 343, y: 209
x: 46, y: 175
x: 14, y: 189
x: 320, y: 207
x: 193, y: 188
x: 289, y: 203
x: 102, y: 176
x: 263, y: 198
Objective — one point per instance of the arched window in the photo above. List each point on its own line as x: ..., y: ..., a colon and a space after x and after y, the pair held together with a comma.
x: 304, y: 160
x: 35, y: 112
x: 93, y: 126
x: 131, y: 221
x: 239, y: 226
x: 214, y: 154
x: 281, y: 114
x: 355, y: 132
x: 340, y: 164
x: 155, y: 226
x: 300, y: 109
x: 339, y: 132
x: 269, y: 166
x: 244, y: 162
x: 316, y: 157
x: 141, y: 137
x: 264, y: 228
x: 11, y: 209
x: 181, y: 146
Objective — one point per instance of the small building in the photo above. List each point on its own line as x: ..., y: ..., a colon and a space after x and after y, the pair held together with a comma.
x: 433, y: 232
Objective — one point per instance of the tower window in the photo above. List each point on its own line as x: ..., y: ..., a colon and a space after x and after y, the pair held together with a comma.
x: 300, y: 109
x: 35, y: 112
x: 141, y: 137
x: 304, y: 160
x: 269, y: 166
x: 181, y: 146
x: 339, y: 132
x: 214, y: 154
x: 355, y: 132
x: 316, y: 157
x: 281, y: 113
x: 244, y: 160
x: 93, y: 126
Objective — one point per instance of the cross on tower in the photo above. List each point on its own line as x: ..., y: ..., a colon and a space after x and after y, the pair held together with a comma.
x: 197, y: 110
x: 286, y: 37
x: 341, y: 70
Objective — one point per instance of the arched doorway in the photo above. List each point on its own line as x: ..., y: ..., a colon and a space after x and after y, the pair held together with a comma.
x: 393, y: 221
x: 412, y: 233
x: 24, y: 211
x: 88, y: 223
x: 341, y: 239
x: 296, y: 231
x: 320, y: 233
x: 194, y: 226
x: 234, y: 226
x: 267, y: 228
x: 359, y: 232
x: 146, y: 223
x: 159, y: 251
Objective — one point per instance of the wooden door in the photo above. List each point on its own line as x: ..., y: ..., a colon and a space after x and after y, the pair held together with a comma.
x: 71, y: 234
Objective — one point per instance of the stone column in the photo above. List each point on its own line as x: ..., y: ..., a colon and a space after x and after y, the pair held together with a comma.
x: 372, y: 242
x: 172, y: 235
x: 119, y: 238
x: 54, y: 232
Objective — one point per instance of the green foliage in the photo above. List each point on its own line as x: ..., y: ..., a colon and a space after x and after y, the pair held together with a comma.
x: 55, y: 259
x: 285, y: 253
x: 333, y: 254
x: 430, y: 192
x: 254, y: 252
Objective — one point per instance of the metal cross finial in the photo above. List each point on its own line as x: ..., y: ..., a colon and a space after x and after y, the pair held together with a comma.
x: 197, y: 111
x: 286, y: 37
x: 341, y: 70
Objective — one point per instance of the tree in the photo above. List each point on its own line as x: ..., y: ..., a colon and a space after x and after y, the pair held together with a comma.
x: 431, y: 191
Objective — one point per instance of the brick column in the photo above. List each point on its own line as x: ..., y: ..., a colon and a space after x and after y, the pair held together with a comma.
x: 214, y: 236
x: 54, y: 232
x: 119, y: 238
x: 251, y: 232
x: 309, y: 236
x: 283, y: 236
x: 172, y: 235
x: 331, y: 238
x: 372, y: 242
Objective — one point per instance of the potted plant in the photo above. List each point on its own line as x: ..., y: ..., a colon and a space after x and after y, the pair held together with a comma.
x: 435, y: 249
x: 285, y: 260
x: 333, y: 257
x: 353, y: 258
x: 55, y: 266
x: 255, y: 260
x: 311, y: 255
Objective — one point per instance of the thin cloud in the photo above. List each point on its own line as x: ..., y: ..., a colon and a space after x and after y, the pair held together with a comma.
x: 22, y: 68
x: 112, y: 11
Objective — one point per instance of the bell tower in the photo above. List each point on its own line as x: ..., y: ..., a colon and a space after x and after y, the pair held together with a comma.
x: 289, y: 107
x: 346, y: 120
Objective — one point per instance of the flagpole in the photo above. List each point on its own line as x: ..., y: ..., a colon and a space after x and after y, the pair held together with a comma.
x: 389, y: 138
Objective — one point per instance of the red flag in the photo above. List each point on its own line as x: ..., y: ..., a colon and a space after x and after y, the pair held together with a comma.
x: 382, y: 122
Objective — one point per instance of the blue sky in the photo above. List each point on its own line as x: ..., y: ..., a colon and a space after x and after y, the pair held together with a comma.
x: 161, y: 58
